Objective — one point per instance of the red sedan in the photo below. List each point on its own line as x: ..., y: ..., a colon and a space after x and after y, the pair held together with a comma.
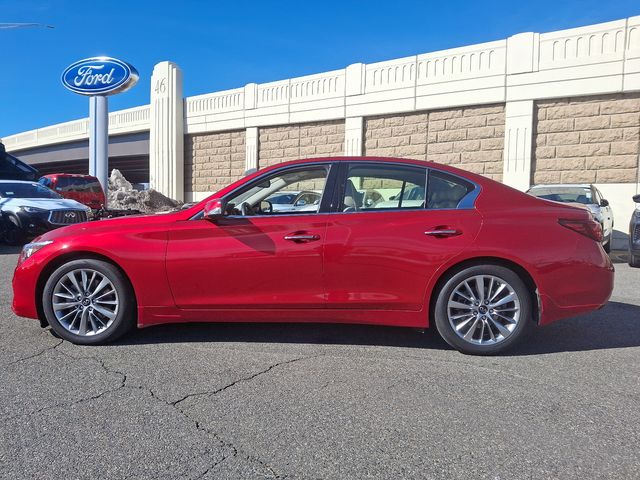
x: 391, y: 242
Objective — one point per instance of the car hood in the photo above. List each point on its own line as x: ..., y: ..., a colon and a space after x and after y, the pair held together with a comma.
x: 44, y: 203
x: 110, y: 225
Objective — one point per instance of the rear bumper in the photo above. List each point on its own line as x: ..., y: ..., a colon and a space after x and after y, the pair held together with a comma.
x: 582, y: 288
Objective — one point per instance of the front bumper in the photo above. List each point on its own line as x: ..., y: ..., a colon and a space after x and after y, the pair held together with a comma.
x: 37, y: 223
x: 25, y: 283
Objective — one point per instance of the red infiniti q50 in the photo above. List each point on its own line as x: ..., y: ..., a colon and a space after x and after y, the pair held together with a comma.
x: 386, y: 241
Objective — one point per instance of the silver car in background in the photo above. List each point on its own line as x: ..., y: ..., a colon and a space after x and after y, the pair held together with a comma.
x: 585, y: 195
x: 634, y: 235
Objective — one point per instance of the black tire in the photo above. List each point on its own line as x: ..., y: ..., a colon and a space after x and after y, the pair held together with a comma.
x: 124, y: 319
x: 14, y: 234
x: 607, y: 245
x: 447, y: 331
x: 634, y: 261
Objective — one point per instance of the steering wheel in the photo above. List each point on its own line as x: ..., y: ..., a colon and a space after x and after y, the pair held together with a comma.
x: 246, y: 210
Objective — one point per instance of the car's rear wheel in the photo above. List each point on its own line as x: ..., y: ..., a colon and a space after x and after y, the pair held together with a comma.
x: 634, y: 260
x: 483, y: 309
x: 88, y: 302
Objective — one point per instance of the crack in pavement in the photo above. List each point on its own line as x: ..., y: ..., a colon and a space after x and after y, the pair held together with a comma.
x: 41, y: 352
x: 236, y: 451
x: 240, y: 380
x: 122, y: 385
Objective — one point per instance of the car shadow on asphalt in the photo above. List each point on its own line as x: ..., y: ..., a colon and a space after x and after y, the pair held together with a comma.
x: 617, y: 325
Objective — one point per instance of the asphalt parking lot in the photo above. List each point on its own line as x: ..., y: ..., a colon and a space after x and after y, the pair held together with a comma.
x: 310, y: 401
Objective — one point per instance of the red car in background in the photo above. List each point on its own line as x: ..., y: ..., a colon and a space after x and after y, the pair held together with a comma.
x: 85, y: 189
x: 391, y: 242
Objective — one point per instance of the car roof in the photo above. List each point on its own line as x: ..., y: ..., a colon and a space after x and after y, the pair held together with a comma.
x: 49, y: 175
x: 407, y: 161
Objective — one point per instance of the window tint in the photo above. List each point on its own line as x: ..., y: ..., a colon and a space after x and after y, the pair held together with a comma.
x: 582, y: 195
x: 287, y: 189
x: 77, y: 184
x: 18, y: 165
x: 26, y: 190
x: 377, y: 187
x: 446, y: 191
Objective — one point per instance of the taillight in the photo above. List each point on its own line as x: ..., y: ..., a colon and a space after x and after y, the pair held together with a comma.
x: 589, y: 228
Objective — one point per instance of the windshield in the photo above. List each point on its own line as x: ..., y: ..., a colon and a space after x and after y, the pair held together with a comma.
x: 26, y: 190
x: 566, y: 194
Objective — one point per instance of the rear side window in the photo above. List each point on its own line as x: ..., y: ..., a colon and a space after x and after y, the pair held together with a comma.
x: 380, y: 187
x: 446, y: 191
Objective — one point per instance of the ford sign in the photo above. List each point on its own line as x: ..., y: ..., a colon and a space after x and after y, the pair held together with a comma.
x: 99, y: 76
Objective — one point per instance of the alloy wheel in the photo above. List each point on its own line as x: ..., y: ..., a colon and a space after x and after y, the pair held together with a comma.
x: 483, y: 310
x: 85, y: 302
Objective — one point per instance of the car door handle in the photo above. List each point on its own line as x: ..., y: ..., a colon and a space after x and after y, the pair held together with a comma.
x: 301, y: 237
x: 443, y: 232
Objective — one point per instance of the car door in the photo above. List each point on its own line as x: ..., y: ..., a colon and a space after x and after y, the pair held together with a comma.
x: 380, y: 254
x: 253, y: 258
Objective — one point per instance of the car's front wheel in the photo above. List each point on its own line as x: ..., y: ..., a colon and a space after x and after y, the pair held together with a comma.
x: 88, y: 302
x: 483, y: 309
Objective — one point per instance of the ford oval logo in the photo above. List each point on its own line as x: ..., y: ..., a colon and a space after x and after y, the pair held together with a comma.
x: 99, y: 76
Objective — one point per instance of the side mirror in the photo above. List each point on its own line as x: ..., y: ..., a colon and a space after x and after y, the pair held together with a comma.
x: 215, y: 209
x: 266, y: 207
x: 636, y: 198
x: 604, y: 203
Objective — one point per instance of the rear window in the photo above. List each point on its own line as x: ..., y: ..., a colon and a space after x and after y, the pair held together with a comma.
x: 564, y: 194
x: 78, y: 184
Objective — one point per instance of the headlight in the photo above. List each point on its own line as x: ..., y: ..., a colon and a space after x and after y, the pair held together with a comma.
x: 33, y: 209
x: 31, y: 248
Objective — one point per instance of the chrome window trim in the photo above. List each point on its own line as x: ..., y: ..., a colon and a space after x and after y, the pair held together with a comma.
x: 268, y: 174
x: 466, y: 203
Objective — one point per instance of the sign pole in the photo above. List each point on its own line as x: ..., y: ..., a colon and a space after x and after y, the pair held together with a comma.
x: 98, y: 77
x: 99, y: 140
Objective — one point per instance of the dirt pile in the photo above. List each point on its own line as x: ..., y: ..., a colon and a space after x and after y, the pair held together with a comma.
x: 122, y: 196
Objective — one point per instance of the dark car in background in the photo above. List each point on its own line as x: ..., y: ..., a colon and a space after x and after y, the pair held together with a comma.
x: 85, y: 189
x: 13, y: 169
x: 29, y: 209
x: 634, y: 235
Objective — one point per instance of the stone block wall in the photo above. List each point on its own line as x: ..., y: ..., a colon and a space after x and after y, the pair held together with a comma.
x: 291, y: 142
x: 471, y: 138
x: 213, y: 160
x: 587, y: 139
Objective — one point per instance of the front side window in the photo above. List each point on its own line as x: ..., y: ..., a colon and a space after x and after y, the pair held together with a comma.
x: 380, y: 187
x: 294, y: 191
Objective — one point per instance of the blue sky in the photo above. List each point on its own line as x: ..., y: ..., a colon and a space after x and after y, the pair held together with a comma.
x: 224, y: 44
